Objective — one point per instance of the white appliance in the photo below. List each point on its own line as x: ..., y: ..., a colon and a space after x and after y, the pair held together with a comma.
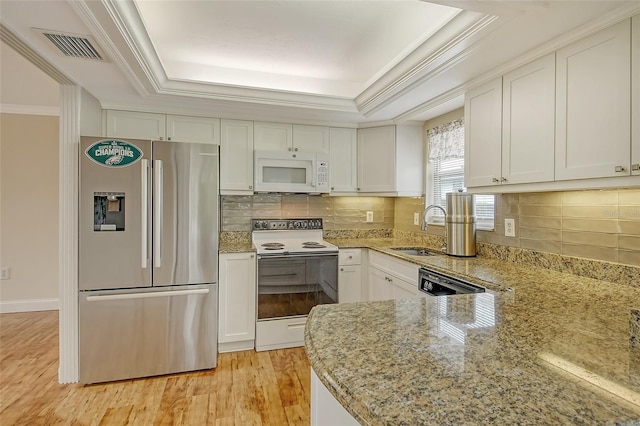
x: 297, y: 270
x: 283, y: 171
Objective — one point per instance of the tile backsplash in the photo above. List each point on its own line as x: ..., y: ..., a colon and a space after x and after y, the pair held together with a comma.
x: 336, y: 212
x: 601, y: 225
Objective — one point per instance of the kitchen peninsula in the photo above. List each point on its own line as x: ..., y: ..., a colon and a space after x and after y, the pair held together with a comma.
x: 540, y: 347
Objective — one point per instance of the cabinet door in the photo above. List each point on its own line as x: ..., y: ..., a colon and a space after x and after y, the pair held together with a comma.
x: 236, y: 157
x: 379, y: 286
x: 310, y: 138
x: 593, y: 104
x: 237, y: 298
x: 635, y: 95
x: 343, y: 161
x: 136, y: 125
x: 528, y: 122
x: 193, y: 129
x: 377, y: 159
x: 404, y: 289
x: 350, y: 284
x: 273, y: 136
x: 483, y: 135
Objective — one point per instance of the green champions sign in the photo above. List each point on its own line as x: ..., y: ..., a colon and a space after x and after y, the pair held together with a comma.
x: 113, y: 153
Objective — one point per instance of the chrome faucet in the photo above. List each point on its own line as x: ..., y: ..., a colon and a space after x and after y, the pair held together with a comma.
x: 425, y: 224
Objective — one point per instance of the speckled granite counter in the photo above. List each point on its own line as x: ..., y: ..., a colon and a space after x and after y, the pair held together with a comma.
x: 529, y: 355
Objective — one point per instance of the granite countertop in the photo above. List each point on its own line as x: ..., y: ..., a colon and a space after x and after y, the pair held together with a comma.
x: 539, y: 347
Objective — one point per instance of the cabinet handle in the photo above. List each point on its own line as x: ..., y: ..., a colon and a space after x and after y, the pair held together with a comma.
x: 635, y: 167
x: 495, y: 180
x: 169, y: 138
x: 332, y: 188
x: 619, y: 169
x: 250, y: 186
x: 503, y: 180
x: 341, y: 269
x: 358, y: 189
x: 290, y: 149
x: 350, y: 257
x: 161, y: 138
x: 251, y: 256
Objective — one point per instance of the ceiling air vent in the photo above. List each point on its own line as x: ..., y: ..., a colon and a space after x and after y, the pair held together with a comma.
x: 74, y: 45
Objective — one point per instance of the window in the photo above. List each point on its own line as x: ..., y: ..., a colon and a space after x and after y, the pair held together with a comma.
x: 445, y: 173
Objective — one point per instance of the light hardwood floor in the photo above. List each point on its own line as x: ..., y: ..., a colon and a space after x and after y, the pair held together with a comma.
x: 247, y: 388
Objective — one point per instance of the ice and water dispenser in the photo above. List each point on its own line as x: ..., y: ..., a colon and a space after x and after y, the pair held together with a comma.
x: 108, y: 211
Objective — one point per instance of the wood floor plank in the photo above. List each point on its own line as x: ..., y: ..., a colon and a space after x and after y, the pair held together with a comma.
x: 246, y: 388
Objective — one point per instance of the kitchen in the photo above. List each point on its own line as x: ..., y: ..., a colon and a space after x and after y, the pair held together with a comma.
x: 396, y: 213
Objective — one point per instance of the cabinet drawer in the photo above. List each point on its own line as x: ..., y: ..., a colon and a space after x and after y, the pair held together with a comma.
x: 401, y: 269
x: 281, y: 333
x: 350, y: 257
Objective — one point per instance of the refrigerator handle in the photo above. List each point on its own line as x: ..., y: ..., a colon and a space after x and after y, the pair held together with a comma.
x: 145, y: 212
x: 157, y: 213
x: 147, y: 295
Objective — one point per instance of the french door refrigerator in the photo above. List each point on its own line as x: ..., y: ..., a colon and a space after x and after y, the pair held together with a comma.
x: 148, y: 250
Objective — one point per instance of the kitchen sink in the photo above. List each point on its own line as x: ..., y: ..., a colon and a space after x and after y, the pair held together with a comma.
x: 414, y: 251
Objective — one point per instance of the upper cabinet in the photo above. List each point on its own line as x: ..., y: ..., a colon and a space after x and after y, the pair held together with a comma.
x: 635, y: 95
x: 528, y: 120
x: 483, y: 134
x: 561, y: 122
x: 290, y: 137
x: 179, y: 128
x: 236, y: 157
x: 593, y: 128
x: 391, y: 160
x: 509, y: 127
x: 343, y: 161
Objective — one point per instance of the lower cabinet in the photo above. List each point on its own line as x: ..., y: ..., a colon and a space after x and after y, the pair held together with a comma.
x: 391, y: 278
x: 350, y: 276
x: 237, y: 302
x: 325, y: 408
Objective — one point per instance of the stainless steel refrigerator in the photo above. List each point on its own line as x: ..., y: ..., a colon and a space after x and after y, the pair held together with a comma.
x: 148, y: 258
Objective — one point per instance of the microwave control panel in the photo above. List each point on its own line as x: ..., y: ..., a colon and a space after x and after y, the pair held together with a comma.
x: 323, y: 174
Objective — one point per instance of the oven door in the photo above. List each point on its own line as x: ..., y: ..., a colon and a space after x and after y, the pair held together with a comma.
x: 290, y: 285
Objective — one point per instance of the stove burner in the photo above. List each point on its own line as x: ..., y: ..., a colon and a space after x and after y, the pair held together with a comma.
x: 273, y: 248
x: 313, y: 246
x: 275, y: 245
x: 311, y: 243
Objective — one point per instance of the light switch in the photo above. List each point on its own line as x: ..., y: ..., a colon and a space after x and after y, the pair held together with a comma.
x: 369, y: 216
x: 416, y: 218
x: 5, y: 273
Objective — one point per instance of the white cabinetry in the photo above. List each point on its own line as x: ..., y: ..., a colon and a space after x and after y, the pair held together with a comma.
x: 593, y: 105
x: 343, y: 161
x: 178, y: 128
x: 528, y: 122
x: 483, y: 134
x: 391, y: 278
x: 236, y: 157
x: 635, y: 95
x: 349, y: 276
x: 391, y: 161
x: 237, y: 302
x: 325, y: 408
x: 291, y: 137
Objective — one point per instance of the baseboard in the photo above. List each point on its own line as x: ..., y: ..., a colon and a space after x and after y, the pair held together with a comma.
x: 29, y: 305
x: 244, y: 345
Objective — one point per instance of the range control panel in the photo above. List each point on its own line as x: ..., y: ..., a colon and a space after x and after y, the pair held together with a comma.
x: 284, y: 224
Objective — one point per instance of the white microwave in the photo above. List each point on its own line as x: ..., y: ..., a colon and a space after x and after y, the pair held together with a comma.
x: 283, y: 171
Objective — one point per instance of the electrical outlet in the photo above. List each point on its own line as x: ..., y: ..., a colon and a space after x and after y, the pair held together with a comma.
x: 5, y: 273
x: 369, y: 216
x: 416, y: 218
x: 509, y: 228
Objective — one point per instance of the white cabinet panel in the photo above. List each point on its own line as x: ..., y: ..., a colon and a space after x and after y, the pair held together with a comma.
x: 379, y: 286
x: 343, y: 161
x: 136, y: 125
x: 325, y: 408
x: 350, y: 284
x: 635, y: 95
x: 593, y: 105
x: 237, y: 300
x: 483, y: 135
x: 273, y: 136
x: 391, y: 160
x: 528, y: 122
x: 193, y: 129
x: 236, y: 157
x: 310, y: 138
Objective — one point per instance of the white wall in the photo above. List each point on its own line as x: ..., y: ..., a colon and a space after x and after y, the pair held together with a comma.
x: 29, y: 123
